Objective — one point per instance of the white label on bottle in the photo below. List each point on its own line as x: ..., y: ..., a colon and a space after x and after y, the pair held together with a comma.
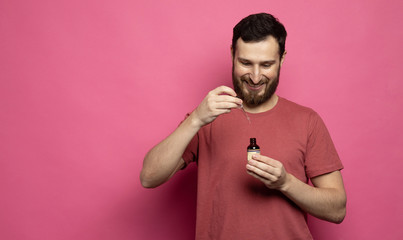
x: 252, y: 152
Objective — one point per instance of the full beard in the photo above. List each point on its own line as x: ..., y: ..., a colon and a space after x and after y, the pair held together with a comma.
x: 252, y: 98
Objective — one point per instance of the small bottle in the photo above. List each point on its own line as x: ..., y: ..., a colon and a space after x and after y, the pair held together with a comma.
x: 253, y: 148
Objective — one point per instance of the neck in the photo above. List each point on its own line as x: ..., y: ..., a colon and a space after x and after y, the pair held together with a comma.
x: 266, y: 106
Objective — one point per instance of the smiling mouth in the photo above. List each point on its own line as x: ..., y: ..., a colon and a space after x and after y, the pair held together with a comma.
x: 254, y: 87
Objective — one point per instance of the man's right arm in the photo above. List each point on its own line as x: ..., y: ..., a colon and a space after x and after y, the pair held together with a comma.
x: 165, y: 159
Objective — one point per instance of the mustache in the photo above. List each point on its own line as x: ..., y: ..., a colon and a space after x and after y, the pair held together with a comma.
x: 248, y: 79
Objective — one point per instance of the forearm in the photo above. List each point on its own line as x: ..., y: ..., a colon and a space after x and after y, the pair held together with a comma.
x: 326, y: 203
x: 162, y: 161
x: 165, y: 158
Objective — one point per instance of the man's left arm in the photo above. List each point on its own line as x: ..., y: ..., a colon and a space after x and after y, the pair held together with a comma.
x: 325, y: 200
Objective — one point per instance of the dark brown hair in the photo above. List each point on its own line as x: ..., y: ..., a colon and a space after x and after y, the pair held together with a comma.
x: 257, y: 27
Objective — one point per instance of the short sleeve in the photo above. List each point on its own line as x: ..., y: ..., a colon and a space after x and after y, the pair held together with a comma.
x: 321, y: 155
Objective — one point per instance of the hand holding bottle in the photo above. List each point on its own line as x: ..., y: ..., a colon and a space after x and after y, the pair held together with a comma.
x: 268, y: 170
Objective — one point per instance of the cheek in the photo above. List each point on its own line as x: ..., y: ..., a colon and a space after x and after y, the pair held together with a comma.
x: 239, y: 71
x: 271, y: 73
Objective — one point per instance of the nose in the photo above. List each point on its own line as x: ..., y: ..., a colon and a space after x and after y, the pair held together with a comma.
x: 255, y: 75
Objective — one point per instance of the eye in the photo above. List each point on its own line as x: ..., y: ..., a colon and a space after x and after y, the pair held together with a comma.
x: 245, y: 63
x: 267, y: 65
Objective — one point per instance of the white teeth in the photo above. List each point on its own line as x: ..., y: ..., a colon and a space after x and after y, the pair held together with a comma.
x: 254, y: 86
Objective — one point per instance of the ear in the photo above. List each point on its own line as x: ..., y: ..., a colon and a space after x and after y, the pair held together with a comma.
x: 232, y: 53
x: 282, y: 58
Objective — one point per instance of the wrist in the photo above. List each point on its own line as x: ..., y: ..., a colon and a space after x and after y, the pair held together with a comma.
x: 194, y: 120
x: 288, y: 180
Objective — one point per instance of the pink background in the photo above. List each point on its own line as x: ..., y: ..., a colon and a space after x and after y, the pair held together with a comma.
x: 88, y: 87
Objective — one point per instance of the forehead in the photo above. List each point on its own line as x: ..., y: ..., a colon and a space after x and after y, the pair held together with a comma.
x: 267, y: 49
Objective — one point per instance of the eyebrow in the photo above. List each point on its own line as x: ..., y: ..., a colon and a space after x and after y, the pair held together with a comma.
x: 263, y: 62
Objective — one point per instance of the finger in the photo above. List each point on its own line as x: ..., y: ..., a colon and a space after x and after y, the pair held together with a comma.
x: 257, y: 171
x: 226, y: 105
x: 269, y: 169
x: 253, y: 164
x: 218, y: 112
x: 226, y: 98
x: 220, y: 103
x: 267, y: 160
x: 269, y: 183
x: 259, y: 174
x: 224, y: 90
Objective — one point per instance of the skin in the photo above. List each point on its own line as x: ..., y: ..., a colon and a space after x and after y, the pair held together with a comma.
x: 256, y: 66
x: 165, y: 159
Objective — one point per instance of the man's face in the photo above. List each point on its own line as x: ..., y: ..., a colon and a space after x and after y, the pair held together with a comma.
x: 256, y: 70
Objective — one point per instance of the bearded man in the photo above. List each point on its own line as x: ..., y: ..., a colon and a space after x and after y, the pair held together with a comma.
x: 268, y: 196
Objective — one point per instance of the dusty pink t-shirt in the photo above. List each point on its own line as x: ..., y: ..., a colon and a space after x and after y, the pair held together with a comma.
x: 234, y: 205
